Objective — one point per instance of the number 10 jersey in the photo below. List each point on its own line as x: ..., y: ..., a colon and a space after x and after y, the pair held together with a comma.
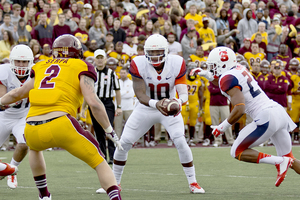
x: 159, y: 86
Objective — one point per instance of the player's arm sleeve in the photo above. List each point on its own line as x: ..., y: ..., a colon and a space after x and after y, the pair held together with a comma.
x: 133, y: 70
x: 181, y: 78
x: 90, y: 72
x: 228, y: 82
x: 3, y: 89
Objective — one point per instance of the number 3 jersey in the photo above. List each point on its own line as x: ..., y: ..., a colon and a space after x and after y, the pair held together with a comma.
x: 57, y: 85
x: 159, y: 86
x: 10, y: 81
x: 255, y: 98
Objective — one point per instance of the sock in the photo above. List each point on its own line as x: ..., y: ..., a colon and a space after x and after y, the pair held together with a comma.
x: 113, y: 193
x: 190, y: 174
x: 269, y: 159
x: 15, y: 163
x: 2, y: 166
x: 118, y: 171
x: 192, y: 131
x: 41, y: 184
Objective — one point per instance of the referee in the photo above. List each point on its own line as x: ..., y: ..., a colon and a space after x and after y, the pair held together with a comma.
x: 106, y: 87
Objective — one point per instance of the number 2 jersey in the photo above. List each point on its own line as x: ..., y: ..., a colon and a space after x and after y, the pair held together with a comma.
x: 10, y: 81
x: 255, y: 98
x: 57, y: 85
x: 159, y: 86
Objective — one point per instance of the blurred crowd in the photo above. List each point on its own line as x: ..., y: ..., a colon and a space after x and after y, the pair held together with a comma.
x: 264, y: 34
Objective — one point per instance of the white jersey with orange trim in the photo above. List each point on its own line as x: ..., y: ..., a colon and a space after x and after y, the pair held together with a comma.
x: 159, y: 86
x: 10, y: 81
x: 255, y: 98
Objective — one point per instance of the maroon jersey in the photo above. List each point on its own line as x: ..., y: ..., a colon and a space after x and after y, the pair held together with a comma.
x: 277, y: 88
x: 260, y: 79
x: 216, y: 97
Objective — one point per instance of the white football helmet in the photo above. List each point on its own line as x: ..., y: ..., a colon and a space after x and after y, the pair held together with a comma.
x: 220, y: 60
x: 21, y: 52
x: 157, y: 43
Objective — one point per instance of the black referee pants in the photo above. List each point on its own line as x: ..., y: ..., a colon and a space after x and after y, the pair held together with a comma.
x: 100, y: 133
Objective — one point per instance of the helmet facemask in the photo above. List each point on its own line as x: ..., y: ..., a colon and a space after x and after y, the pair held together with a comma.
x: 155, y: 56
x: 215, y: 69
x: 19, y: 54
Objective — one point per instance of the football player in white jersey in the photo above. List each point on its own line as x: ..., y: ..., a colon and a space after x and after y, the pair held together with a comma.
x: 156, y: 76
x: 270, y: 120
x: 12, y: 118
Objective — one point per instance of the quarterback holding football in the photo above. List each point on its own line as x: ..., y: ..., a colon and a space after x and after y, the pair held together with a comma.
x: 156, y: 77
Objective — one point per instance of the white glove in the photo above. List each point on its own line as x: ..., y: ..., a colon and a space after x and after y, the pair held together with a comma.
x: 221, y: 128
x: 113, y: 137
x: 204, y: 73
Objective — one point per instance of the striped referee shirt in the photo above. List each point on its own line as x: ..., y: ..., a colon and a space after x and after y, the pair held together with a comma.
x: 107, y: 82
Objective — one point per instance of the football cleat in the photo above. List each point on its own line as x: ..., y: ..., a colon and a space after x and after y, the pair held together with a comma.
x: 196, y: 189
x: 206, y: 142
x: 282, y: 169
x: 12, y: 181
x: 170, y: 143
x: 9, y: 170
x: 191, y: 143
x: 102, y: 191
x: 152, y: 143
x: 45, y: 198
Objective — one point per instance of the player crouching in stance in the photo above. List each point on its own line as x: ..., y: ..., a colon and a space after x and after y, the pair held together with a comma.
x: 157, y: 76
x: 12, y: 118
x: 270, y: 120
x: 56, y: 90
x: 7, y: 169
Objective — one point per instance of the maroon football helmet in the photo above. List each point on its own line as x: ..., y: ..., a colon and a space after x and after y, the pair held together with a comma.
x: 112, y: 63
x: 67, y: 46
x: 245, y: 64
x: 239, y: 58
x: 265, y: 63
x: 294, y: 61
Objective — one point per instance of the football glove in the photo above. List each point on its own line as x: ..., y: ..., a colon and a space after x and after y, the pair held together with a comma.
x: 220, y: 129
x: 204, y: 73
x: 180, y: 106
x: 113, y: 137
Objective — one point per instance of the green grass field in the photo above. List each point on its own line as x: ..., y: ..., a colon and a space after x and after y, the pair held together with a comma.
x: 156, y: 174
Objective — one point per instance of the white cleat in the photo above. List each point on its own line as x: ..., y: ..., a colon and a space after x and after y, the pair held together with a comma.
x: 100, y: 191
x: 282, y: 169
x: 9, y: 170
x: 12, y: 182
x: 45, y: 198
x: 170, y: 143
x: 196, y: 189
x: 206, y: 142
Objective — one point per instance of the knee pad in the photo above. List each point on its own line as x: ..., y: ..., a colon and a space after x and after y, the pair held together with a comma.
x: 184, y: 151
x: 121, y: 155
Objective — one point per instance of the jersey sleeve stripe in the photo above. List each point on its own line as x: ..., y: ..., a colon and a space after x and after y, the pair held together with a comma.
x: 90, y: 73
x: 133, y: 70
x: 228, y: 82
x: 182, y: 70
x: 32, y: 73
x: 181, y: 80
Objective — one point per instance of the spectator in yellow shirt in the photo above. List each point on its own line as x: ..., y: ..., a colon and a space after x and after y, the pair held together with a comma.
x: 193, y: 15
x: 206, y: 33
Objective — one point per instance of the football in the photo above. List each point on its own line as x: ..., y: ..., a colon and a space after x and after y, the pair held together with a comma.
x: 171, y: 107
